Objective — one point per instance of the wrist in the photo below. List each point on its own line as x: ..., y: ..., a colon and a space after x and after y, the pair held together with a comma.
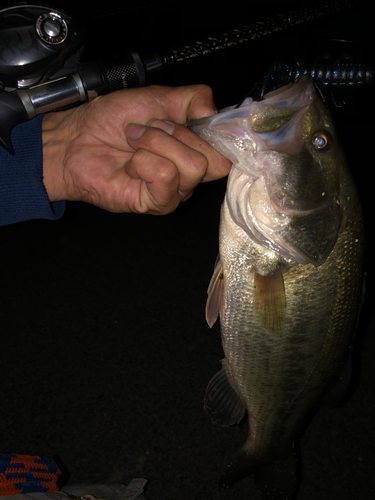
x: 55, y: 142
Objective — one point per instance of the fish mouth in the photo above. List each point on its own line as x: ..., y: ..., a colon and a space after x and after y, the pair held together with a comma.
x: 276, y: 122
x: 273, y: 124
x: 297, y: 94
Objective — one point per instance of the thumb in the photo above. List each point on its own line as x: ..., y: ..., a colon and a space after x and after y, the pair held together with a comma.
x: 190, y: 102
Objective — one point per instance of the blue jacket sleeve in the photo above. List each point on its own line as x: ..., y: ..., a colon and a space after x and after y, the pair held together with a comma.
x: 22, y: 193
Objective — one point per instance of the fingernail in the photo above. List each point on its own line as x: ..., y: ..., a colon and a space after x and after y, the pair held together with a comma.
x: 134, y: 131
x: 165, y: 125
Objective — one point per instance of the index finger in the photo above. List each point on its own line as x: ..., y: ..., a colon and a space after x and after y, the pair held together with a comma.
x: 181, y: 104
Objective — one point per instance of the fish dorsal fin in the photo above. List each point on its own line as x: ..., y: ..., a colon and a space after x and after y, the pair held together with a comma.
x: 269, y: 298
x: 222, y: 403
x: 215, y: 294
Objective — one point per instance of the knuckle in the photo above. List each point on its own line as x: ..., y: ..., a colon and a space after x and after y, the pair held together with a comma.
x: 139, y: 158
x: 206, y: 90
x: 201, y: 89
x: 154, y: 168
x: 166, y: 171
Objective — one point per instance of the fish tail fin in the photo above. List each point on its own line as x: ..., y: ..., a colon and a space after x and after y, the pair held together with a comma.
x: 240, y: 465
x: 276, y: 480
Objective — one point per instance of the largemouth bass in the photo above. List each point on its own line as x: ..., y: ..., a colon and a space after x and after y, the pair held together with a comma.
x: 288, y: 280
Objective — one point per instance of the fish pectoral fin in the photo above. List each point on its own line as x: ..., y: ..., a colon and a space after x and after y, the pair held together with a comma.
x: 269, y: 298
x: 222, y: 403
x: 215, y: 294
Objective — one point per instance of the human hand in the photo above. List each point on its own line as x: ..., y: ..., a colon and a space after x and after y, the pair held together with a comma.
x: 118, y: 153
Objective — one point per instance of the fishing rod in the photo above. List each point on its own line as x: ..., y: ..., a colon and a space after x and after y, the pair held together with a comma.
x: 341, y: 75
x: 41, y: 47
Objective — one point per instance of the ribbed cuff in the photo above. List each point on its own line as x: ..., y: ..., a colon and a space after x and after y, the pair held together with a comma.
x: 22, y: 192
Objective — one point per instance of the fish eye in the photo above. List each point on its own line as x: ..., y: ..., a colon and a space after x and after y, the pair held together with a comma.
x: 321, y: 141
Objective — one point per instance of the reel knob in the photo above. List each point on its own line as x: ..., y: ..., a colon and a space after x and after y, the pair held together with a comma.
x: 52, y: 28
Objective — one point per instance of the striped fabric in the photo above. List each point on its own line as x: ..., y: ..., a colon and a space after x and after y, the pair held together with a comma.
x: 27, y: 474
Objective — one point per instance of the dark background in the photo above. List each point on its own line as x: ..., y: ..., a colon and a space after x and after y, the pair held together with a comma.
x: 105, y: 353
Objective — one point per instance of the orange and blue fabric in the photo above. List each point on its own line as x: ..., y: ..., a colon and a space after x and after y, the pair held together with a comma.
x: 28, y: 474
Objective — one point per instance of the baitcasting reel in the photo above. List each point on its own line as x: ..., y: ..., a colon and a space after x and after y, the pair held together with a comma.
x: 41, y: 47
x: 40, y: 69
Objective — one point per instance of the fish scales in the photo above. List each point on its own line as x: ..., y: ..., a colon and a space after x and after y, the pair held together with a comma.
x: 288, y: 283
x: 274, y: 368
